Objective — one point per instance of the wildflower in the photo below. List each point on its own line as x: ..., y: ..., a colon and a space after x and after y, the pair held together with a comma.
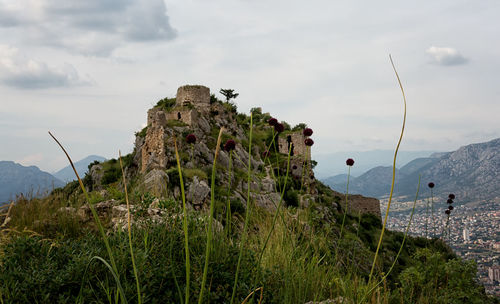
x: 272, y: 121
x: 191, y: 139
x: 230, y: 145
x: 447, y: 211
x: 431, y: 185
x: 312, y: 176
x: 450, y: 207
x: 307, y: 132
x: 278, y: 127
x: 309, y: 142
x: 451, y: 196
x: 449, y: 201
x: 266, y: 154
x: 349, y: 162
x: 294, y: 167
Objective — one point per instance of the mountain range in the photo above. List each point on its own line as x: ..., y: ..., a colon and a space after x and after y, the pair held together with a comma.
x: 471, y: 173
x: 31, y: 181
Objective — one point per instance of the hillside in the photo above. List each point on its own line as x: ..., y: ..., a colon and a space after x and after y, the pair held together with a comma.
x: 223, y: 205
x: 30, y: 181
x: 470, y: 172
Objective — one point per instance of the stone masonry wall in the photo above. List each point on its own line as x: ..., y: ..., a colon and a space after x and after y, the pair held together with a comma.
x: 193, y: 95
x: 186, y: 116
x: 297, y: 139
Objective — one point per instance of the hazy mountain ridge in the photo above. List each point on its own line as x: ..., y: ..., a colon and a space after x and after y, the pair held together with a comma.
x: 471, y: 172
x: 16, y: 179
x: 67, y: 174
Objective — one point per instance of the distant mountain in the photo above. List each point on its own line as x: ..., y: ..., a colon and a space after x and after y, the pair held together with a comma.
x: 16, y: 179
x: 66, y: 174
x: 471, y: 173
x: 332, y: 164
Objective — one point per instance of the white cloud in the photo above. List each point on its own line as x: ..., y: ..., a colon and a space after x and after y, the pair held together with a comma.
x: 18, y: 71
x: 445, y: 56
x: 92, y: 27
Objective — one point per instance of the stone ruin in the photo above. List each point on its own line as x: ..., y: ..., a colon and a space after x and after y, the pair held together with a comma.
x: 296, y: 140
x: 193, y: 109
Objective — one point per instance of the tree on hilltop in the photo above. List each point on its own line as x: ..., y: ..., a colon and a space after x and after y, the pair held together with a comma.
x: 229, y: 94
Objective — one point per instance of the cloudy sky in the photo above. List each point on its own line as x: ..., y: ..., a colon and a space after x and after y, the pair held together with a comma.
x: 89, y: 70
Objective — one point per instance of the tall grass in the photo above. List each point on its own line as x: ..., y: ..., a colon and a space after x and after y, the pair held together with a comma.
x: 184, y: 222
x: 210, y: 217
x: 129, y: 229
x: 247, y: 212
x: 113, y: 267
x: 393, y: 174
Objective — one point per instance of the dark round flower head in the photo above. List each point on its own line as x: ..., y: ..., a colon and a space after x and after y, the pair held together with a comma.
x: 229, y: 145
x: 451, y: 196
x: 294, y: 167
x: 309, y: 142
x: 450, y: 207
x: 272, y: 121
x: 312, y: 176
x: 279, y: 127
x: 191, y: 139
x: 349, y: 162
x: 447, y: 211
x: 431, y: 185
x: 308, y: 132
x: 265, y: 154
x: 449, y: 201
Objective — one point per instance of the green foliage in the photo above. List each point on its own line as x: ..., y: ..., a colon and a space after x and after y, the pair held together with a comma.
x: 436, y: 279
x: 299, y: 127
x: 166, y: 103
x: 229, y: 94
x: 141, y: 133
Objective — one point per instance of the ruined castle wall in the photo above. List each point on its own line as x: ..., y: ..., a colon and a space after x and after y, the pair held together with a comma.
x: 297, y: 139
x: 358, y: 203
x: 193, y: 95
x: 153, y: 149
x: 188, y: 117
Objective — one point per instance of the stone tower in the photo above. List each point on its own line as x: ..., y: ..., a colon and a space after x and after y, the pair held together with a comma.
x: 195, y: 95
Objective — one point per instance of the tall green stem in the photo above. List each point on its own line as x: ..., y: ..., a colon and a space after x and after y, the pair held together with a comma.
x: 393, y: 174
x: 228, y: 203
x: 129, y: 228
x: 247, y: 215
x: 210, y: 219
x: 185, y: 221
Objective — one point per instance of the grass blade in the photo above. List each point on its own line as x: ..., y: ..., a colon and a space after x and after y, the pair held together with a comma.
x: 393, y: 173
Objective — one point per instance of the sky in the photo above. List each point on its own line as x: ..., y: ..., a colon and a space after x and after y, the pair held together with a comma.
x: 88, y: 71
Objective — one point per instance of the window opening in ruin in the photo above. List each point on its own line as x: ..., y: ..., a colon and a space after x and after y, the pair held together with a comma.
x: 179, y: 115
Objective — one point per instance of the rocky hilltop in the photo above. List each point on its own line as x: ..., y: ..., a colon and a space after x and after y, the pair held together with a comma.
x: 198, y: 114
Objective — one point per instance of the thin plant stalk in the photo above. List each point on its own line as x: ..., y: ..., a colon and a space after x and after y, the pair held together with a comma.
x: 346, y: 203
x: 247, y: 213
x: 184, y: 223
x: 432, y: 216
x: 228, y: 203
x: 210, y: 218
x: 400, y: 248
x: 277, y: 210
x: 96, y: 218
x: 129, y: 228
x: 393, y: 174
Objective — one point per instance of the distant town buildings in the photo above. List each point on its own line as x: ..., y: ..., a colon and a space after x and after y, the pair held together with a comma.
x: 466, y: 235
x: 494, y: 273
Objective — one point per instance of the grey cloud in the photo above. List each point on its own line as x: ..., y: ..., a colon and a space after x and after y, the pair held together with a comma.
x: 97, y: 27
x: 445, y: 56
x: 20, y: 72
